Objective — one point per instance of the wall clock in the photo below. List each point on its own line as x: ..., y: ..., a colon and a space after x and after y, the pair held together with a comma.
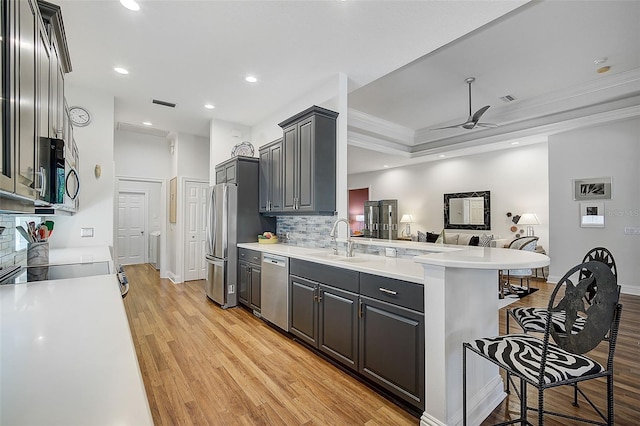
x: 79, y: 116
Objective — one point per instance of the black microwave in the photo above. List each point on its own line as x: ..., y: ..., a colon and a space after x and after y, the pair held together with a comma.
x: 51, y: 170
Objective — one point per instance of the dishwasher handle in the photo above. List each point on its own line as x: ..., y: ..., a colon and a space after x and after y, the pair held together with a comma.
x: 274, y: 260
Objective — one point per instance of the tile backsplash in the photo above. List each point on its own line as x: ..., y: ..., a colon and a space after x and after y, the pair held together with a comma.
x: 307, y: 231
x: 8, y: 254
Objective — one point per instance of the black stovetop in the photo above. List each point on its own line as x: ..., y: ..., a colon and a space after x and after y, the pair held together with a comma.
x: 22, y: 274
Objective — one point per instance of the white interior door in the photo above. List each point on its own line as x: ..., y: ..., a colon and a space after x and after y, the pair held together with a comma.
x: 196, y: 210
x: 132, y: 241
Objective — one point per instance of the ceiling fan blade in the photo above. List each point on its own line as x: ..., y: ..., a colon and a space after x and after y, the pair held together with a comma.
x: 449, y: 127
x: 487, y: 125
x: 479, y: 113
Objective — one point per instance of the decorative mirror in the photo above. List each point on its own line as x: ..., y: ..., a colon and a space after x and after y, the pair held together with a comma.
x: 467, y: 210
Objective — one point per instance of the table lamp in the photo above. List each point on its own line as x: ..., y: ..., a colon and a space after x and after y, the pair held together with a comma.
x: 408, y: 219
x: 529, y: 219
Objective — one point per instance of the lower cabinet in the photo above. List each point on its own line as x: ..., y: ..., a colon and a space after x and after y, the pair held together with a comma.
x: 392, y: 348
x: 325, y: 318
x: 373, y: 325
x: 249, y: 270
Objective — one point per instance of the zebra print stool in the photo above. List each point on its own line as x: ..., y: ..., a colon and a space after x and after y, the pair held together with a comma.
x: 542, y: 364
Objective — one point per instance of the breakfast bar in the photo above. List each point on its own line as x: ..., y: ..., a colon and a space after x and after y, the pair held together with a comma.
x: 461, y: 304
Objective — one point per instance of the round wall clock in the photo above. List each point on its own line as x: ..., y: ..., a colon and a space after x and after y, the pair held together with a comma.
x: 79, y: 116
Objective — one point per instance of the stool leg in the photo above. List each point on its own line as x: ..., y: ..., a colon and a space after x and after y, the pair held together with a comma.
x: 464, y: 385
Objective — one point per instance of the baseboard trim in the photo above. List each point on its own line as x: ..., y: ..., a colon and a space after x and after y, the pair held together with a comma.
x: 174, y: 278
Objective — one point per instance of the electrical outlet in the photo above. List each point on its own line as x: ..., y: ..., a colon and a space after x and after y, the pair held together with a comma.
x: 390, y: 252
x: 232, y: 289
x: 86, y: 232
x: 632, y: 230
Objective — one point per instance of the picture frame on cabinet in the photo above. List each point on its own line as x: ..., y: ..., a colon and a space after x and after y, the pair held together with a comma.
x: 592, y: 215
x: 592, y: 189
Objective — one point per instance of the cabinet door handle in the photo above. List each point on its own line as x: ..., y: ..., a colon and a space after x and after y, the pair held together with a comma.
x: 319, y: 295
x: 360, y: 308
x: 384, y: 290
x: 315, y: 294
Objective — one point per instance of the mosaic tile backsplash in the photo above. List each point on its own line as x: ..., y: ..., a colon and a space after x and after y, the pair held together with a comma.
x: 313, y: 231
x: 8, y: 254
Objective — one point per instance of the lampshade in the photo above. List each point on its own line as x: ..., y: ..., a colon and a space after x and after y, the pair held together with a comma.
x: 406, y: 218
x: 359, y: 218
x: 529, y: 219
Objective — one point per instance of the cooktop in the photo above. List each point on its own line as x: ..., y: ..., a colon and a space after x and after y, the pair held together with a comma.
x: 21, y: 274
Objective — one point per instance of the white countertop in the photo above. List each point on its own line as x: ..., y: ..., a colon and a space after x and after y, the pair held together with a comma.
x: 392, y: 267
x: 485, y: 258
x: 412, y: 269
x: 62, y: 256
x: 67, y: 356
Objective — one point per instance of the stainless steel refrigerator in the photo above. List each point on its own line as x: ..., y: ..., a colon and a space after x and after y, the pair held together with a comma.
x: 222, y: 225
x: 232, y: 217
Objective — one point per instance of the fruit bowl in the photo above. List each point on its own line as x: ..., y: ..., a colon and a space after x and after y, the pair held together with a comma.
x: 268, y: 240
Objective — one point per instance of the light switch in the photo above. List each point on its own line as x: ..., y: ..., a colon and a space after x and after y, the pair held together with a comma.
x: 86, y: 232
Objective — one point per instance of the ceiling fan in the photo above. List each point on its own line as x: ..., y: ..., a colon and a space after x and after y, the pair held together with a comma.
x: 474, y: 120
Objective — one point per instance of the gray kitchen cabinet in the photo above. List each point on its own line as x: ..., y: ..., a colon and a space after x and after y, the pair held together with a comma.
x: 391, y: 336
x: 249, y: 273
x: 309, y: 162
x: 322, y: 315
x: 271, y: 188
x: 27, y: 84
x: 226, y: 172
x: 60, y: 64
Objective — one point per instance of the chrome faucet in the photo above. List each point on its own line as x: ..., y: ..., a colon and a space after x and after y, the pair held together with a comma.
x: 332, y: 234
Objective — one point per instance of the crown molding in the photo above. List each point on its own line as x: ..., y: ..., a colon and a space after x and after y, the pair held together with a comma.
x: 361, y: 122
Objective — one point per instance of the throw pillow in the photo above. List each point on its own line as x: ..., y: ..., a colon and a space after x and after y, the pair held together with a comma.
x: 422, y: 237
x: 474, y: 241
x: 464, y: 239
x: 440, y: 239
x: 485, y: 240
x: 451, y: 238
x: 432, y: 237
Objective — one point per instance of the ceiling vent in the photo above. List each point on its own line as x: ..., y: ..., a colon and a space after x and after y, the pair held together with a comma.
x: 145, y: 130
x: 507, y: 98
x: 163, y: 103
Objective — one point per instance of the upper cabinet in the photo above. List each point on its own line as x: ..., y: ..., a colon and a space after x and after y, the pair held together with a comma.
x: 271, y: 177
x: 308, y: 165
x: 34, y: 61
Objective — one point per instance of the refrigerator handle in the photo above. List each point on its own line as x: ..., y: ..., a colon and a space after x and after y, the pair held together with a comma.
x: 225, y: 220
x: 211, y: 235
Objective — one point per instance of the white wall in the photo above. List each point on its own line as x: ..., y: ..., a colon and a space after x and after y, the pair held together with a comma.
x: 142, y: 155
x: 193, y: 156
x: 606, y: 150
x: 222, y: 141
x: 95, y: 145
x: 517, y: 178
x: 143, y: 163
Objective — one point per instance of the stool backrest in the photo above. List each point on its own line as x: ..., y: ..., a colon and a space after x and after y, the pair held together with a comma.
x: 597, y: 277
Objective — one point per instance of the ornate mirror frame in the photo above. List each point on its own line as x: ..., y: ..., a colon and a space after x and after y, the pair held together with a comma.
x: 487, y: 210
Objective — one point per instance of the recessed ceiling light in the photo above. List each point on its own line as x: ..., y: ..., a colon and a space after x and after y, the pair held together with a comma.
x: 130, y: 4
x: 515, y: 143
x: 441, y: 156
x: 147, y: 123
x: 604, y: 69
x: 209, y: 106
x: 386, y: 166
x: 121, y: 70
x: 600, y: 61
x: 251, y: 79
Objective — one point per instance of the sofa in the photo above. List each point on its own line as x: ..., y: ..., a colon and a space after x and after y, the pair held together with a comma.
x: 454, y: 238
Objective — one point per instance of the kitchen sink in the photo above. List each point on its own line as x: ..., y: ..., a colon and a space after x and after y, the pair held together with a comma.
x: 342, y: 258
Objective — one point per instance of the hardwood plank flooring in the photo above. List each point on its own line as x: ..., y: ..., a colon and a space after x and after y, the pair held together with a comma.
x: 205, y: 365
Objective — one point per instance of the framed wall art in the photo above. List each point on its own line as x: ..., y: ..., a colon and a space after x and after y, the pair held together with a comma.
x: 592, y: 189
x: 592, y: 215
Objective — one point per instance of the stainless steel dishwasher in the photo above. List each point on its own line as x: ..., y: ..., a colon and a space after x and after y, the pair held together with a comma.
x: 274, y: 290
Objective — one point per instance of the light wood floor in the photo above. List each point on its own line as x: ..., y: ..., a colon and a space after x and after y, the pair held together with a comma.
x: 204, y: 365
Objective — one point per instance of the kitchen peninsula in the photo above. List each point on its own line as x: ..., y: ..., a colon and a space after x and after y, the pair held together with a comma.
x: 460, y: 303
